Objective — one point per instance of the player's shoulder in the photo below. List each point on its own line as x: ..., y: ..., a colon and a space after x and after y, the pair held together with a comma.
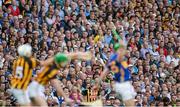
x: 14, y: 60
x: 124, y: 64
x: 113, y: 57
x: 32, y: 58
x: 17, y: 58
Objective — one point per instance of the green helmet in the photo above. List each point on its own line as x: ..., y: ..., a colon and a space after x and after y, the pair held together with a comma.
x: 117, y: 46
x: 59, y: 58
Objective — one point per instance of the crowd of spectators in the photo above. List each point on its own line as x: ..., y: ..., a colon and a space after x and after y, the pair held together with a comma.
x: 150, y: 28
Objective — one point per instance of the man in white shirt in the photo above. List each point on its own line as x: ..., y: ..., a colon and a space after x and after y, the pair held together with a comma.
x: 144, y: 50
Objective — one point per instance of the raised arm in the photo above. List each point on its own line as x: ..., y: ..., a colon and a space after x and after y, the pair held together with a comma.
x: 65, y: 57
x: 70, y: 56
x: 120, y: 49
x: 116, y: 34
x: 105, y: 72
x: 47, y: 61
x: 102, y: 76
x: 80, y: 55
x: 120, y: 46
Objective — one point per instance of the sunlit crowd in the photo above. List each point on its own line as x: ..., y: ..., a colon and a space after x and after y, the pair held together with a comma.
x: 150, y: 29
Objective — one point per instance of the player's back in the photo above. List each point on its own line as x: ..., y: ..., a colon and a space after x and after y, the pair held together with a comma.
x: 46, y: 74
x: 119, y: 69
x: 22, y: 72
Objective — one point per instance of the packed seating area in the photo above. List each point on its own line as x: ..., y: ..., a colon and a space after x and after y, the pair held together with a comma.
x: 149, y: 28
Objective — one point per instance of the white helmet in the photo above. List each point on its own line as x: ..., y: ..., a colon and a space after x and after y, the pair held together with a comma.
x: 25, y: 50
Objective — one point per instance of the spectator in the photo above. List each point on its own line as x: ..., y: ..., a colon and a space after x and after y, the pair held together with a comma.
x: 14, y: 9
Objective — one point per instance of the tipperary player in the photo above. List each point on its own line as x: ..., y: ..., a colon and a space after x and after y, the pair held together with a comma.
x: 122, y: 75
x: 48, y: 74
x: 22, y: 73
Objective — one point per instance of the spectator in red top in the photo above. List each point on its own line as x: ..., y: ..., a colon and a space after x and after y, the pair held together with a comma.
x: 161, y: 46
x: 14, y: 8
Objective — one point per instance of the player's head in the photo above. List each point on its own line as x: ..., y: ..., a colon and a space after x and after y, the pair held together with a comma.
x: 120, y: 50
x: 25, y: 50
x: 118, y: 46
x: 61, y: 59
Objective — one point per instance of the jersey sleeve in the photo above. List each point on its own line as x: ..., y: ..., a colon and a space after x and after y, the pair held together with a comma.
x: 112, y: 58
x: 124, y: 64
x: 14, y: 66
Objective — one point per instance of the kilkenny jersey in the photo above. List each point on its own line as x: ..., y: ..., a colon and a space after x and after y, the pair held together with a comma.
x: 46, y: 74
x: 90, y: 95
x: 22, y: 72
x: 119, y: 69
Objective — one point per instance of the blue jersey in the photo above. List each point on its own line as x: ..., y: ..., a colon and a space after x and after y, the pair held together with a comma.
x: 119, y: 69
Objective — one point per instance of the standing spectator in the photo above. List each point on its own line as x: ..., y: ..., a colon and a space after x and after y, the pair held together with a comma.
x: 108, y: 37
x: 144, y: 50
x: 14, y: 9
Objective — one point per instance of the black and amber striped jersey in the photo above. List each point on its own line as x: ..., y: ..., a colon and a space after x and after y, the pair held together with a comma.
x: 90, y: 95
x: 22, y: 72
x: 46, y: 74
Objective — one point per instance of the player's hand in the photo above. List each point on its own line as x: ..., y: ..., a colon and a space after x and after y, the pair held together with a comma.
x: 85, y: 56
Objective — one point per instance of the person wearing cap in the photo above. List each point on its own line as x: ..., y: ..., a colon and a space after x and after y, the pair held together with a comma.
x: 122, y: 75
x: 48, y: 74
x: 22, y: 73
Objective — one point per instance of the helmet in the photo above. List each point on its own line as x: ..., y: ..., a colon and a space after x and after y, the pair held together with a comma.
x: 25, y: 50
x: 60, y: 58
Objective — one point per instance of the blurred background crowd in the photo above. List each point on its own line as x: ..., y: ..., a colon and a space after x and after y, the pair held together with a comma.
x: 150, y: 28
